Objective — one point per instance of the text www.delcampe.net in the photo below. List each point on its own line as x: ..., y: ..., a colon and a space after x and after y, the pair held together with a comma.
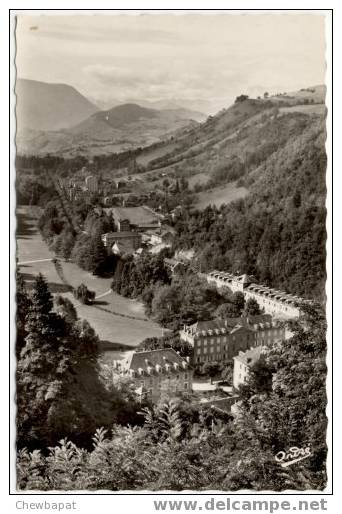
x: 227, y: 504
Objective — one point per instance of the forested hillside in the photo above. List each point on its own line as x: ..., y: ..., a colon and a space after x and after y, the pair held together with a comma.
x: 236, y: 139
x: 277, y: 232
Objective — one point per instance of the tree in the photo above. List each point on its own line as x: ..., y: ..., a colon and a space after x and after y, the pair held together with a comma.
x: 40, y: 358
x: 83, y: 294
x: 252, y: 307
x: 239, y: 301
x: 166, y: 304
x: 297, y: 199
x: 227, y: 373
x: 97, y: 254
x: 65, y: 308
x: 23, y: 304
x: 212, y: 369
x: 227, y: 310
x: 169, y: 341
x: 166, y: 183
x: 266, y: 94
x: 66, y: 243
x: 241, y: 98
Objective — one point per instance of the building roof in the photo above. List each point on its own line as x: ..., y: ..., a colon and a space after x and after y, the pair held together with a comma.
x: 279, y: 296
x: 123, y: 247
x: 229, y: 324
x: 125, y: 234
x: 250, y: 285
x: 150, y: 359
x: 251, y: 356
x: 136, y: 215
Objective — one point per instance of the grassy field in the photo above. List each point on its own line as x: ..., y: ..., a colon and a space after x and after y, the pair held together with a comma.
x: 146, y: 157
x: 306, y: 109
x: 220, y: 195
x: 117, y: 320
x: 198, y: 178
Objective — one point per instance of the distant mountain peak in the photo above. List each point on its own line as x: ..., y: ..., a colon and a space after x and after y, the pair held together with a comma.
x: 50, y: 106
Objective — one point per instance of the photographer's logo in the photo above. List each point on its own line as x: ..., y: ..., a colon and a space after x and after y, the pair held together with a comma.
x: 293, y: 455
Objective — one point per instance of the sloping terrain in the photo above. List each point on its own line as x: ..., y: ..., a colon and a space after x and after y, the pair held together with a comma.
x: 277, y: 231
x: 43, y: 106
x: 230, y: 145
x: 119, y: 129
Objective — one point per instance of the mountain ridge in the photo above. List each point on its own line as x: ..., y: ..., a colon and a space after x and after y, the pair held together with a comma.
x: 46, y: 106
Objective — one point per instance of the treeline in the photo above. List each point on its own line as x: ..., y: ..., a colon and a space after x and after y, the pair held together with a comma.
x: 182, y: 446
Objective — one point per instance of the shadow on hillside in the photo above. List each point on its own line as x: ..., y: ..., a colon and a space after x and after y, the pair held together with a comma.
x: 53, y: 286
x: 59, y: 288
x: 100, y: 302
x: 25, y: 225
x: 117, y: 347
x: 28, y: 277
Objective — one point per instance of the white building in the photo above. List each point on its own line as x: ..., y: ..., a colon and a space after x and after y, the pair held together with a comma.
x: 92, y: 183
x: 243, y: 363
x: 277, y: 303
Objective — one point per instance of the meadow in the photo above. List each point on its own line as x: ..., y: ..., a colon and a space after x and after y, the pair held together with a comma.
x: 118, y: 321
x: 220, y: 195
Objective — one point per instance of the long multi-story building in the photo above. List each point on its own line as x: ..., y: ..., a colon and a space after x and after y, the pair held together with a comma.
x: 277, y: 303
x: 157, y: 372
x: 220, y: 340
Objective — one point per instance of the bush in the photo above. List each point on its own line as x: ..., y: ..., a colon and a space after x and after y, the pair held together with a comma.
x: 84, y: 295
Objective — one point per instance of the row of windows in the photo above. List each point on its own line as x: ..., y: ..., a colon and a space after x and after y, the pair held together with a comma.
x: 211, y: 358
x: 158, y: 381
x: 176, y: 388
x: 211, y: 350
x: 275, y: 304
x: 223, y: 339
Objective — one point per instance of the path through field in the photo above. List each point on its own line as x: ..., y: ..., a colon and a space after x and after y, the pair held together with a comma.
x: 116, y: 319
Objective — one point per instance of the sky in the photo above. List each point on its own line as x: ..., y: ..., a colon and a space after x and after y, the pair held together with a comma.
x: 201, y: 61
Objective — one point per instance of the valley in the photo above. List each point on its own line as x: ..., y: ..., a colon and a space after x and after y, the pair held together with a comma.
x: 118, y: 321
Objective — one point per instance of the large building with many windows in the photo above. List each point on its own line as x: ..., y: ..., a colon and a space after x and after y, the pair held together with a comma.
x: 220, y: 340
x: 157, y: 373
x: 276, y: 303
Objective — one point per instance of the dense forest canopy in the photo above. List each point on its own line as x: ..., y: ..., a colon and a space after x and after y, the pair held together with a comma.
x: 277, y: 233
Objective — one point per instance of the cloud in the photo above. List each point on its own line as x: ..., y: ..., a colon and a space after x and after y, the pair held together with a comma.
x: 154, y: 83
x: 207, y: 57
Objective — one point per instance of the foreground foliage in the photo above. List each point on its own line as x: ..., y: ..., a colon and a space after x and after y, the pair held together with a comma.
x: 182, y: 447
